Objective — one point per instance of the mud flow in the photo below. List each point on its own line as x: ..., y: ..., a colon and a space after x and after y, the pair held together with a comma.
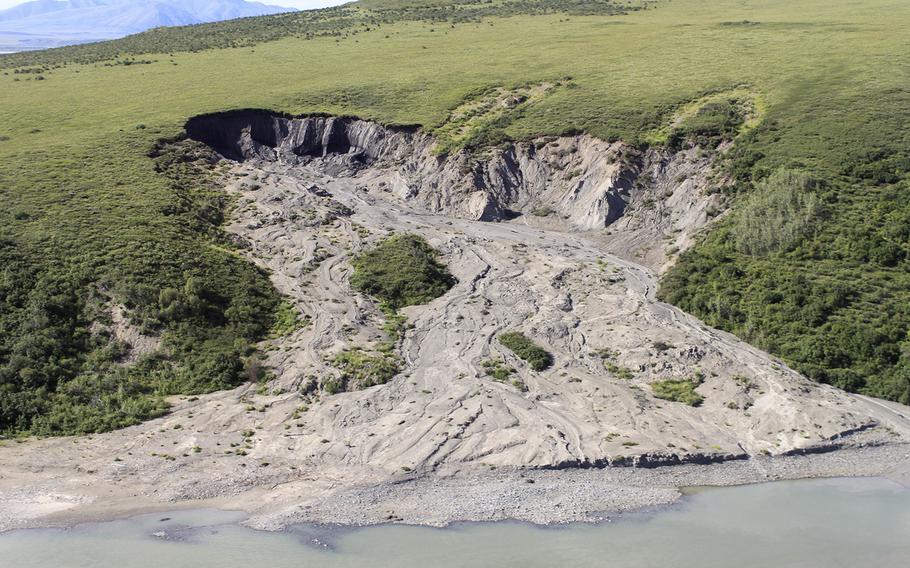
x: 560, y: 238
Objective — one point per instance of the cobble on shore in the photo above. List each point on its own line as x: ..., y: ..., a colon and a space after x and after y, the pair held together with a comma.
x: 571, y: 495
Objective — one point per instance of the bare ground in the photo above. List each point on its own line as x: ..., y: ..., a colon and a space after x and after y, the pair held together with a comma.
x: 443, y: 441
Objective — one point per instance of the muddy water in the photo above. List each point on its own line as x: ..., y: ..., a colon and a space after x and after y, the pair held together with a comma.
x: 823, y: 523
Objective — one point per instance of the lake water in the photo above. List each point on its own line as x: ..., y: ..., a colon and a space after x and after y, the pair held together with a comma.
x: 850, y: 523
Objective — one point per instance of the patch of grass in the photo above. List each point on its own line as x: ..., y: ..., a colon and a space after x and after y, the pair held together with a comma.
x: 678, y: 390
x: 518, y: 343
x: 716, y: 116
x: 497, y: 369
x: 620, y: 372
x: 745, y: 382
x: 287, y: 321
x: 401, y: 271
x: 713, y: 123
x: 362, y: 369
x: 481, y: 119
x: 394, y: 326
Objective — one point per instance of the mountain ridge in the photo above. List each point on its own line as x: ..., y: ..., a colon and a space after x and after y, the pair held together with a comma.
x: 48, y: 23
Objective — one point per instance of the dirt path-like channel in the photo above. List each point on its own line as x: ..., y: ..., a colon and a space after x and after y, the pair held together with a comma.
x: 443, y: 440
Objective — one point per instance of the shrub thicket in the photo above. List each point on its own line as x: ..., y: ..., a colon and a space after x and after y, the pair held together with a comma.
x: 535, y: 356
x: 209, y: 307
x: 777, y: 215
x: 678, y: 390
x: 401, y: 271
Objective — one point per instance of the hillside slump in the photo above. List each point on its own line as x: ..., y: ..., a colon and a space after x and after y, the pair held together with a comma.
x: 559, y: 238
x: 583, y: 182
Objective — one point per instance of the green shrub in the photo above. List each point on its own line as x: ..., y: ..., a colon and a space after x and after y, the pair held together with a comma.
x: 362, y: 369
x: 678, y: 390
x: 401, y: 271
x: 605, y: 353
x: 497, y: 369
x: 287, y: 321
x: 536, y: 357
x: 777, y: 215
x: 332, y: 386
x: 623, y: 373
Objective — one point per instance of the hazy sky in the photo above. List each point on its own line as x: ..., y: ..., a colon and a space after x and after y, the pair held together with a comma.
x: 290, y: 3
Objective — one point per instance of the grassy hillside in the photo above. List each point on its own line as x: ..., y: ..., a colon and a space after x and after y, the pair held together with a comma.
x: 94, y: 216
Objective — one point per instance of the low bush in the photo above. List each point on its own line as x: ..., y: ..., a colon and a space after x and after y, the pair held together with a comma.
x: 497, y: 369
x: 619, y: 371
x: 287, y: 321
x: 536, y: 357
x: 678, y: 390
x: 362, y: 369
x: 401, y: 271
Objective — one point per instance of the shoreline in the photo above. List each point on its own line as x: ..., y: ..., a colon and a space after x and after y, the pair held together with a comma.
x: 444, y: 440
x: 535, y: 496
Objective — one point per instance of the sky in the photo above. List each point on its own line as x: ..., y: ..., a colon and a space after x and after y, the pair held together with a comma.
x: 302, y: 4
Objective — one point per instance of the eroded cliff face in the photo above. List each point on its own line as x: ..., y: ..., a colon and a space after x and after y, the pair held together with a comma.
x: 581, y: 182
x: 558, y: 238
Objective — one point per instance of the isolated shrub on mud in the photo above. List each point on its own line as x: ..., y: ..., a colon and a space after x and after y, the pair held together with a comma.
x: 519, y: 344
x: 401, y: 271
x: 362, y: 369
x: 678, y: 390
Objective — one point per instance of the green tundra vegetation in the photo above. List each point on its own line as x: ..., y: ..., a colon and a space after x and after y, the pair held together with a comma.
x: 339, y: 22
x: 525, y: 349
x: 362, y: 369
x: 98, y: 213
x: 678, y: 390
x: 401, y: 271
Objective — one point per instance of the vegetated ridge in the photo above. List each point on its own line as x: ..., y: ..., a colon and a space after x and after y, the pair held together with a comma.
x: 339, y: 22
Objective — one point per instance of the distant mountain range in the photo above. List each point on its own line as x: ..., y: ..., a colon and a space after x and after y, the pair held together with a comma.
x: 52, y: 23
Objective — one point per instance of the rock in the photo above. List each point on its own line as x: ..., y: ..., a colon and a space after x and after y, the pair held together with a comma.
x: 564, y: 303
